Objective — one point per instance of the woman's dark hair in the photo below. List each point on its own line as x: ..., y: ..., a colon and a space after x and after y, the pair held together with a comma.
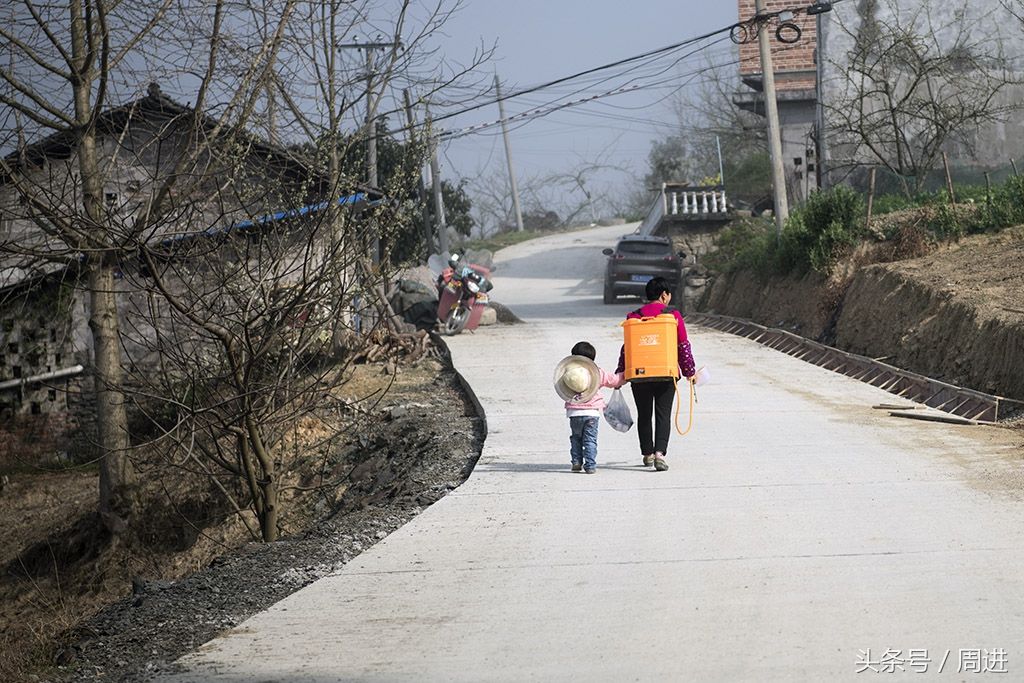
x: 585, y: 349
x: 656, y: 286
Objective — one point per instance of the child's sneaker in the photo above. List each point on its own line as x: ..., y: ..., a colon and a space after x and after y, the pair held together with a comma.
x: 577, y: 466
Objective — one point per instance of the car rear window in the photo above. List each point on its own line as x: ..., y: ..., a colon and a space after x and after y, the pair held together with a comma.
x: 643, y: 248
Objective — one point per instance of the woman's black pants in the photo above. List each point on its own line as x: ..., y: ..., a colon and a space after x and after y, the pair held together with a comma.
x: 654, y: 399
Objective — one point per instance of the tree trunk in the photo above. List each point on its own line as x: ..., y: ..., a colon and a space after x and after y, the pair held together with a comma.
x: 268, y: 520
x: 117, y: 477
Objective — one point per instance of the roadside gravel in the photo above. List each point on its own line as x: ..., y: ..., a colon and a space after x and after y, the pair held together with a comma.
x: 426, y: 447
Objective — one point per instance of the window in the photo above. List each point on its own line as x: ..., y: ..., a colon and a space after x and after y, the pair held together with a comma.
x: 644, y: 248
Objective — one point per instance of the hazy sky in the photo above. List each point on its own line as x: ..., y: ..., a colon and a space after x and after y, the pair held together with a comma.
x: 541, y: 40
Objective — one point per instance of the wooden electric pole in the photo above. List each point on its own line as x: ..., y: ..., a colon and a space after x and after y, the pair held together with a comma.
x: 421, y: 188
x: 508, y: 156
x: 435, y: 179
x: 771, y: 108
x: 371, y: 123
x: 442, y: 224
x: 821, y: 151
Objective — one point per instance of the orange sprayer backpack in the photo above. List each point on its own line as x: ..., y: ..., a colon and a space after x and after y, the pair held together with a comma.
x: 651, y: 347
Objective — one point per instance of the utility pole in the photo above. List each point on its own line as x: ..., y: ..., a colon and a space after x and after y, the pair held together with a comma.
x: 772, y: 113
x: 508, y: 156
x: 442, y: 225
x: 819, y: 109
x: 435, y: 179
x: 421, y: 190
x: 371, y: 122
x: 721, y: 166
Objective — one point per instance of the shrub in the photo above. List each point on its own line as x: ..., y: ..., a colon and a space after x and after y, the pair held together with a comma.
x: 747, y: 244
x: 819, y: 232
x: 1004, y: 208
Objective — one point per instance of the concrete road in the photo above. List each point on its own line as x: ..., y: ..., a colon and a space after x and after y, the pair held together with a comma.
x: 799, y: 534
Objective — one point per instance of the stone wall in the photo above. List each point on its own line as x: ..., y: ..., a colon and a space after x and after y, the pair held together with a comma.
x: 696, y: 239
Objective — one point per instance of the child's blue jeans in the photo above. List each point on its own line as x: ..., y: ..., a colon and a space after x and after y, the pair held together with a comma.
x: 583, y: 440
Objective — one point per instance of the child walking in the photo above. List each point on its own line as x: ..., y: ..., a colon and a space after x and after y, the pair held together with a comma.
x: 584, y: 416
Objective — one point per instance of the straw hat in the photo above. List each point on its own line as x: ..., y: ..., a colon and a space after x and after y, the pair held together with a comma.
x: 577, y: 379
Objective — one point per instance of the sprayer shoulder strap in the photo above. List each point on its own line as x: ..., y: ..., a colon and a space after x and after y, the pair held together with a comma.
x: 667, y: 310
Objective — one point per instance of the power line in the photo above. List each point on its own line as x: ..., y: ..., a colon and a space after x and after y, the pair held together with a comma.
x: 586, y: 72
x: 651, y: 55
x: 539, y: 112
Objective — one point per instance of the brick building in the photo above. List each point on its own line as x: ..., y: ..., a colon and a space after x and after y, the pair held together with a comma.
x: 46, y: 399
x: 795, y: 74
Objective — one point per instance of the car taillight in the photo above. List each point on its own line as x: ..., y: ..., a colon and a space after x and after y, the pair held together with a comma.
x: 619, y: 257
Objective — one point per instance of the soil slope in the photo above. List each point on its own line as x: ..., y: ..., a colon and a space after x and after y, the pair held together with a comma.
x: 102, y: 613
x: 956, y: 314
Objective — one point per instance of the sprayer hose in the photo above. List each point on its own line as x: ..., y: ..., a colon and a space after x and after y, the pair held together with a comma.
x: 679, y: 406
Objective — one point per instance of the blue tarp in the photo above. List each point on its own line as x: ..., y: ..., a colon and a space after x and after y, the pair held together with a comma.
x: 274, y: 217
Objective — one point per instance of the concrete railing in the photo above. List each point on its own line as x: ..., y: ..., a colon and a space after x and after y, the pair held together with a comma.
x: 696, y: 202
x: 681, y: 201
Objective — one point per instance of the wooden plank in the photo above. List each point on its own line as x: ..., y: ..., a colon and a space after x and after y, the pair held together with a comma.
x: 933, y: 417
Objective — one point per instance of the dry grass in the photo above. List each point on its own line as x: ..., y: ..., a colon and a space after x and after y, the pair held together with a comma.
x: 57, y: 570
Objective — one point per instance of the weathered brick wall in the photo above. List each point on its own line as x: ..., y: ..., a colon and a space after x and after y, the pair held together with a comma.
x: 35, y: 338
x: 788, y: 60
x: 39, y: 421
x: 37, y: 440
x: 58, y: 417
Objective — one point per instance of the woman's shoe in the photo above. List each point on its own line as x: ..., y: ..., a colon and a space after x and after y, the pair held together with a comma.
x: 648, y: 459
x: 659, y: 462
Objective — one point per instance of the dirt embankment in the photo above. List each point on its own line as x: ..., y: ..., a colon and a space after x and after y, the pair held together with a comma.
x: 956, y: 314
x: 76, y: 606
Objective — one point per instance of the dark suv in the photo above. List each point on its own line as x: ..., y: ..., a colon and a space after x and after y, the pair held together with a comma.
x: 635, y: 260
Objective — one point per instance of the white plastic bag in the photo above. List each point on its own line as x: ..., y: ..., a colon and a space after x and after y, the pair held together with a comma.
x: 617, y: 412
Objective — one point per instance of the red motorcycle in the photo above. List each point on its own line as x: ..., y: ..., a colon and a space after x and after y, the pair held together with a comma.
x: 462, y: 296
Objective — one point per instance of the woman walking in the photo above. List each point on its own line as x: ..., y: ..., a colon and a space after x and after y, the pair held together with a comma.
x: 654, y: 397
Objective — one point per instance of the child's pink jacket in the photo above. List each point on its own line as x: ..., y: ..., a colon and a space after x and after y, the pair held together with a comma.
x: 596, y: 404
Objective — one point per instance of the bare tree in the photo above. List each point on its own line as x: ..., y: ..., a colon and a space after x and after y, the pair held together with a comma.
x: 1014, y: 7
x: 911, y: 84
x: 242, y: 324
x: 574, y: 189
x: 256, y: 323
x: 554, y: 199
x: 68, y: 66
x: 347, y: 65
x: 705, y: 115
